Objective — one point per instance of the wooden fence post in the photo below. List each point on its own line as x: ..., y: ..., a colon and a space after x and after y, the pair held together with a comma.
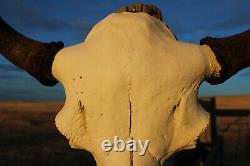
x: 213, y: 120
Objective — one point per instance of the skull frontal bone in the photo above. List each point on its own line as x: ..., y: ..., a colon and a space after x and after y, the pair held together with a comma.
x: 130, y: 78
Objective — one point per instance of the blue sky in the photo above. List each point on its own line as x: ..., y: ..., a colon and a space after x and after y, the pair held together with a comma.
x: 70, y: 21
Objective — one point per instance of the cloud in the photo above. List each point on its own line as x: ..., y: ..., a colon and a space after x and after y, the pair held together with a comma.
x: 217, y: 18
x: 30, y: 16
x: 9, y: 71
x: 240, y: 20
x: 9, y: 68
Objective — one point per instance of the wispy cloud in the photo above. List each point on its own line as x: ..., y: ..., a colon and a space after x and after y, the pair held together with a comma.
x: 233, y: 14
x: 9, y: 71
x: 9, y: 68
x: 27, y: 15
x: 243, y: 19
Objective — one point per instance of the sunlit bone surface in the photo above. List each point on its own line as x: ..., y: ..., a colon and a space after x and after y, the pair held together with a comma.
x: 130, y: 78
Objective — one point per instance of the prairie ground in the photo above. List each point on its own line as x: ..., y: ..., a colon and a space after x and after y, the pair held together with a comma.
x: 28, y: 136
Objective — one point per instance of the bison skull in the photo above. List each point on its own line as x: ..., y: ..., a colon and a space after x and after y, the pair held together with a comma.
x: 130, y: 78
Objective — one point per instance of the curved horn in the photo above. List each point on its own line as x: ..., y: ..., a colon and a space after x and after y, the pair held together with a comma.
x: 232, y: 53
x: 32, y: 56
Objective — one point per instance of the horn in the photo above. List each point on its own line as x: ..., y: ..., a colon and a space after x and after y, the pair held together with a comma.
x: 144, y: 8
x: 232, y: 53
x: 34, y: 57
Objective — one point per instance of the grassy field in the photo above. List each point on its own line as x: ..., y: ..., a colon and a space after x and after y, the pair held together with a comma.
x: 28, y: 136
x: 233, y: 102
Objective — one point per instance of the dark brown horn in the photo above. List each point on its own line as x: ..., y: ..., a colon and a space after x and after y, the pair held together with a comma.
x: 144, y: 8
x: 232, y: 53
x: 32, y: 56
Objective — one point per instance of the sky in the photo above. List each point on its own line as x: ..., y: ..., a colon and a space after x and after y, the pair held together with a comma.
x: 70, y: 22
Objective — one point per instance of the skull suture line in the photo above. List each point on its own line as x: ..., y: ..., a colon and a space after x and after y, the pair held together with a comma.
x: 135, y: 81
x: 130, y: 78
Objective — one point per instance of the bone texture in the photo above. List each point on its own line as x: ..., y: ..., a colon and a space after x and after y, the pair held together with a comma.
x: 131, y: 78
x: 232, y: 54
x: 151, y: 10
x: 32, y: 56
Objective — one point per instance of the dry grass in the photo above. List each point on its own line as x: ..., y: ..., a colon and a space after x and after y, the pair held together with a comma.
x: 29, y: 137
x: 233, y: 102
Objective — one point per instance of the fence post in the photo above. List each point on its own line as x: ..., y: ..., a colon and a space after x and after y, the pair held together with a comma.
x: 213, y: 120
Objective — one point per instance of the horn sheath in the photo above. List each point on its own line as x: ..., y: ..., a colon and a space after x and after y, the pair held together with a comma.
x: 232, y: 54
x: 32, y: 56
x: 144, y: 8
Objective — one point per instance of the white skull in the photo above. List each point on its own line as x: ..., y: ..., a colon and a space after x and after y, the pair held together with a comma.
x: 131, y: 78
